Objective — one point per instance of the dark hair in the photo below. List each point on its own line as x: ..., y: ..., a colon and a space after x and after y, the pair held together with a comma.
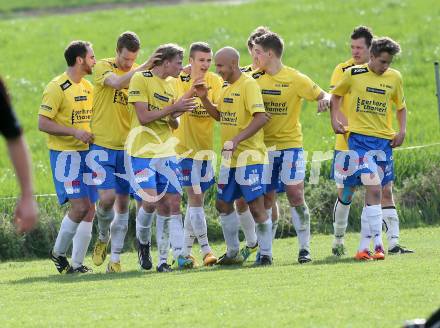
x: 199, y: 46
x: 128, y: 40
x: 384, y: 44
x: 363, y: 32
x: 259, y: 31
x: 76, y: 49
x: 271, y: 41
x: 168, y: 52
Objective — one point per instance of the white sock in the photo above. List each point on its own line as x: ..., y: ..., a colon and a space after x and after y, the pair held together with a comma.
x: 65, y: 236
x: 176, y: 234
x: 230, y: 226
x: 374, y: 216
x: 143, y: 226
x: 198, y: 222
x: 105, y: 218
x: 340, y: 221
x: 118, y: 230
x: 162, y: 237
x: 365, y: 233
x: 81, y: 242
x: 188, y: 234
x: 264, y: 234
x: 391, y: 223
x: 301, y: 222
x: 248, y: 226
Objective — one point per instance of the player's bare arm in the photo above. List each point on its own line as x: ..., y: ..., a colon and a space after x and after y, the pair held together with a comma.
x: 49, y: 126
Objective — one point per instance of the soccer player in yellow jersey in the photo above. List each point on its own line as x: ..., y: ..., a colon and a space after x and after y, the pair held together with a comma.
x: 64, y: 115
x: 372, y: 89
x: 195, y: 134
x: 153, y: 164
x: 110, y: 125
x: 360, y: 44
x: 240, y: 111
x: 283, y: 90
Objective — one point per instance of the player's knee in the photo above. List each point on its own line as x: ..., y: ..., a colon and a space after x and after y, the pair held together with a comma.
x: 80, y: 210
x: 107, y: 200
x: 148, y: 207
x: 387, y: 194
x: 122, y: 202
x: 223, y: 207
x: 296, y: 198
x: 269, y: 200
x: 241, y: 205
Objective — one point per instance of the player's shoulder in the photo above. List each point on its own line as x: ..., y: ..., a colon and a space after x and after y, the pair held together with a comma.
x: 394, y: 73
x: 246, y: 69
x: 107, y: 62
x: 213, y: 78
x: 142, y: 76
x: 257, y: 74
x: 358, y: 70
x: 184, y: 78
x: 345, y: 65
x: 59, y: 83
x: 87, y: 84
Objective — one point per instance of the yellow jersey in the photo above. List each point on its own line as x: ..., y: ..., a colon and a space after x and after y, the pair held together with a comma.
x: 69, y: 104
x: 341, y: 139
x: 371, y: 98
x: 283, y: 95
x: 154, y: 139
x: 237, y: 104
x: 195, y: 131
x: 110, y: 121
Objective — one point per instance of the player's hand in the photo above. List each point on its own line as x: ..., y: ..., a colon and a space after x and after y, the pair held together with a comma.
x: 184, y: 105
x: 323, y: 105
x: 84, y: 136
x: 149, y: 64
x: 26, y: 214
x: 187, y: 69
x: 228, y: 148
x: 338, y: 127
x: 200, y: 88
x: 398, y: 140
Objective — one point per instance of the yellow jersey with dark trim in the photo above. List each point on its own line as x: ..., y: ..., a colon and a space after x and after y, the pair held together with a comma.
x: 110, y: 121
x: 154, y: 139
x: 69, y: 104
x: 237, y: 104
x: 371, y: 100
x: 341, y: 139
x: 246, y: 69
x: 283, y: 95
x: 195, y: 131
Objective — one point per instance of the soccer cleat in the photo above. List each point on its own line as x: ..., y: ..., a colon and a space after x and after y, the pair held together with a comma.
x: 164, y: 267
x: 304, y: 256
x: 399, y: 250
x: 364, y: 255
x: 209, y: 259
x: 338, y: 250
x: 99, y: 252
x: 144, y: 256
x: 226, y: 260
x: 113, y: 267
x: 80, y: 269
x: 379, y: 254
x: 192, y: 258
x: 265, y: 260
x: 246, y: 251
x: 257, y: 258
x: 183, y: 263
x: 61, y: 263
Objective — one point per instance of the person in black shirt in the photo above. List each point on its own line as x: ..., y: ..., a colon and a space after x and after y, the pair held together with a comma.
x: 26, y: 213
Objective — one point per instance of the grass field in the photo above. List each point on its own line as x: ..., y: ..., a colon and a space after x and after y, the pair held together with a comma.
x: 316, y: 37
x: 324, y: 293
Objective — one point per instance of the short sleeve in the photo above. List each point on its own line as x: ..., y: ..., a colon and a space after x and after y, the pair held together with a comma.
x: 101, y: 71
x: 52, y: 100
x: 253, y: 99
x: 343, y: 86
x: 398, y: 96
x: 138, y: 89
x: 307, y: 89
x: 9, y: 126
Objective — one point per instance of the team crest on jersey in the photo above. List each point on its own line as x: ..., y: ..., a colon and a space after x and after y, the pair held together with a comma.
x: 258, y: 74
x: 186, y: 78
x: 65, y: 85
x: 359, y: 70
x: 147, y: 74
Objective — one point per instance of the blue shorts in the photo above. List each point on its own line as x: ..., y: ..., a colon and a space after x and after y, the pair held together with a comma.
x: 367, y: 154
x: 286, y: 167
x: 160, y: 174
x: 72, y: 178
x: 107, y: 164
x: 198, y: 174
x: 246, y: 181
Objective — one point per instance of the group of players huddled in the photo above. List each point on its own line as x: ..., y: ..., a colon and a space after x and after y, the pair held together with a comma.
x: 147, y: 132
